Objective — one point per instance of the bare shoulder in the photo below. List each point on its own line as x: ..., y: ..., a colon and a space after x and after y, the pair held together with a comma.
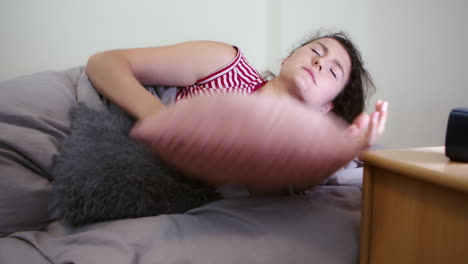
x: 222, y: 51
x: 207, y: 56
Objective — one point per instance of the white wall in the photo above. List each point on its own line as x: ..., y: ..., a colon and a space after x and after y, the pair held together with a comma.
x: 296, y: 20
x: 414, y: 49
x: 56, y: 34
x: 418, y: 55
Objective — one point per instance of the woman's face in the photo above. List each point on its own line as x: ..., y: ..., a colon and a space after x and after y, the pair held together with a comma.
x: 317, y: 72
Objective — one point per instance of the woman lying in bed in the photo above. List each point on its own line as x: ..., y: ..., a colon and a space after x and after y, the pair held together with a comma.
x: 325, y: 74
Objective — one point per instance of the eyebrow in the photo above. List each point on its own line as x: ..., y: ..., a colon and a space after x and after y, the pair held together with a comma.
x: 335, y: 61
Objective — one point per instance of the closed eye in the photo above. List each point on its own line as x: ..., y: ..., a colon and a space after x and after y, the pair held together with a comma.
x: 314, y: 50
x: 333, y: 72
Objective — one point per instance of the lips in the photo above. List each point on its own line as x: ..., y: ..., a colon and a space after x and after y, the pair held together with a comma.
x: 310, y: 73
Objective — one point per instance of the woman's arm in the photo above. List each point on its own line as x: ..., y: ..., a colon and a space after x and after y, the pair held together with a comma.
x: 119, y: 75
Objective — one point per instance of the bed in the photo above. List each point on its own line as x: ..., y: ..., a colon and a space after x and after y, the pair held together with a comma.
x: 320, y: 225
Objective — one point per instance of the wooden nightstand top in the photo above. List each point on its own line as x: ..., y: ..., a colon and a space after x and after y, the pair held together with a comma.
x: 428, y: 164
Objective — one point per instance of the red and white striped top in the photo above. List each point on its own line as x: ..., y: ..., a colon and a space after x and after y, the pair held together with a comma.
x: 237, y: 77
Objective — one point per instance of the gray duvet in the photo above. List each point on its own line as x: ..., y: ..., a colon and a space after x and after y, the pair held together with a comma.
x: 320, y: 226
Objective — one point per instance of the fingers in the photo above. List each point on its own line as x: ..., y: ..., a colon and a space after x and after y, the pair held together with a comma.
x: 367, y: 129
x: 353, y: 131
x: 357, y: 128
x: 373, y: 131
x: 377, y: 123
x: 382, y: 108
x: 362, y: 121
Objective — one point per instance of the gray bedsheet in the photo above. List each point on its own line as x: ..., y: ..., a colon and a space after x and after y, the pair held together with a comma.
x: 321, y: 226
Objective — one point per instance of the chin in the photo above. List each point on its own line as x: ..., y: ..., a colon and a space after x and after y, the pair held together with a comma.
x: 296, y: 94
x: 300, y: 93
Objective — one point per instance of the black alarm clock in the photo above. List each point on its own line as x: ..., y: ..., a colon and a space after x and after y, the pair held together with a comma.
x: 456, y: 138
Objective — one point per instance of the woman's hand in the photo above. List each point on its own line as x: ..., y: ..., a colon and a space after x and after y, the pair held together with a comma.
x: 366, y: 129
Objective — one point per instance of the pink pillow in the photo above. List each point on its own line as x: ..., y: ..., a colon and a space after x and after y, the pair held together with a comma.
x: 264, y: 142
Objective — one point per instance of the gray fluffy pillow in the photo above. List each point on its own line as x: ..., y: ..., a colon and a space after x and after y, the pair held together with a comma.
x: 102, y: 174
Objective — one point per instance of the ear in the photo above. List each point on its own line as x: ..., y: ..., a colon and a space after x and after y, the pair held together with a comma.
x: 327, y: 107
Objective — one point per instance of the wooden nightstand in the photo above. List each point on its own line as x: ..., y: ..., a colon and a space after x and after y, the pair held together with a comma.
x: 414, y: 207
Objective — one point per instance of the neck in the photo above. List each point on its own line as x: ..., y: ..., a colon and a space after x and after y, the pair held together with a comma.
x: 274, y: 87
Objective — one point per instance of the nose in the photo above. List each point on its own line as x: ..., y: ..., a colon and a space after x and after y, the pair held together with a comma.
x: 317, y: 63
